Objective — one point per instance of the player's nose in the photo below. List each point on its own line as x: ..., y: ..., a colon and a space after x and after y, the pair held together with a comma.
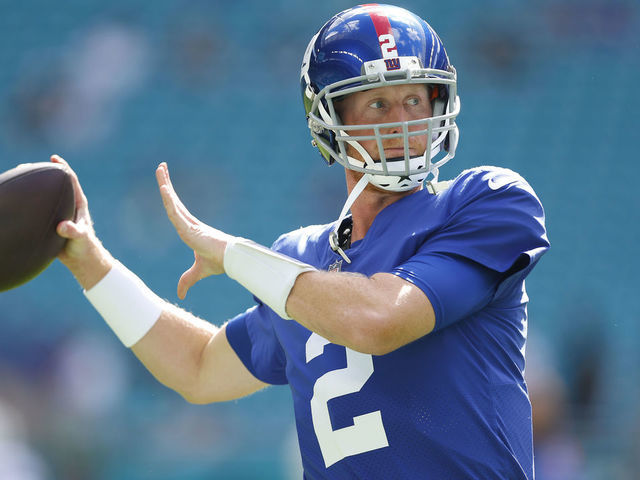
x: 397, y: 115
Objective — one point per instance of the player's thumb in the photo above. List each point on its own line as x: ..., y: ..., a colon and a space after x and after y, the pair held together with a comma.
x: 188, y: 280
x: 68, y: 229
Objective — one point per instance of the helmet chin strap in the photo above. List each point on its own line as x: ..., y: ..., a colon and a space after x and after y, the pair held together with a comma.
x: 355, y: 193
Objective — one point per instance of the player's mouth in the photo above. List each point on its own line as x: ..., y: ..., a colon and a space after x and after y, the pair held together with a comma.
x: 398, y: 153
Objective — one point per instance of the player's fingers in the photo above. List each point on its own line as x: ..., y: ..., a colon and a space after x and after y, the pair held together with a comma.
x: 81, y: 199
x: 168, y: 197
x: 189, y: 232
x: 160, y: 177
x: 163, y: 168
x: 175, y: 216
x: 163, y: 178
x: 58, y: 159
x: 179, y: 206
x: 187, y: 229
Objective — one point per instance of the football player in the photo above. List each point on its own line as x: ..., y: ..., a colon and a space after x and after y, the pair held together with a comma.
x: 401, y: 327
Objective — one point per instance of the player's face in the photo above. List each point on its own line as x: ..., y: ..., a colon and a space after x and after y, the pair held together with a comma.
x: 397, y: 103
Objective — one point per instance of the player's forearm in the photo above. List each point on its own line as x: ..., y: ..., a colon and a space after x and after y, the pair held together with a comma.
x: 94, y: 264
x: 373, y: 315
x: 173, y: 350
x: 169, y: 341
x: 349, y: 309
x: 195, y: 359
x: 183, y: 352
x: 321, y: 301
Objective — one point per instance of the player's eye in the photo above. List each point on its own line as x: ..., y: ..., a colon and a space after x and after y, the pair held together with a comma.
x: 377, y: 104
x: 413, y: 101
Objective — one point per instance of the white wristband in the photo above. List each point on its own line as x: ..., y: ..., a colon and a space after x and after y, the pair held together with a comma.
x: 267, y: 274
x: 128, y: 306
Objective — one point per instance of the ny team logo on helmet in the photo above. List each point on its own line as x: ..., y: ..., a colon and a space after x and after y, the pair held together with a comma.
x: 372, y: 46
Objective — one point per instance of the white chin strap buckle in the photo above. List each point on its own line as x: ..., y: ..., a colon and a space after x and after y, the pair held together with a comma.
x: 335, y: 245
x: 355, y: 193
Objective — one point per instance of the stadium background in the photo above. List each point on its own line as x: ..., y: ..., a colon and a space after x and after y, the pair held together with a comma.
x: 548, y: 88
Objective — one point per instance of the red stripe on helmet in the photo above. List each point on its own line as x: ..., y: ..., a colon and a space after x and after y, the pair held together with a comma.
x: 380, y: 22
x: 383, y: 31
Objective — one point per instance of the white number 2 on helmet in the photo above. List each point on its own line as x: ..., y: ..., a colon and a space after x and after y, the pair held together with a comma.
x: 388, y: 45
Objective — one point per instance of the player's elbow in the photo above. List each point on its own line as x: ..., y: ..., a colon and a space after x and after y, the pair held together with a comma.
x: 194, y: 398
x: 376, y: 334
x: 400, y: 314
x: 384, y: 330
x: 190, y: 392
x: 197, y: 396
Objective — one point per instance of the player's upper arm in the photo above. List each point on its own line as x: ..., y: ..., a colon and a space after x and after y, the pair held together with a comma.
x: 405, y: 313
x: 222, y: 375
x: 430, y: 292
x: 456, y: 286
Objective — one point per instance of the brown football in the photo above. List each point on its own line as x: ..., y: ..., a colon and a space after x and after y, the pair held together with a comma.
x: 34, y: 198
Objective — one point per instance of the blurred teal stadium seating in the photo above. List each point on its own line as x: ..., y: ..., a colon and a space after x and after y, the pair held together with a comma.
x: 548, y: 88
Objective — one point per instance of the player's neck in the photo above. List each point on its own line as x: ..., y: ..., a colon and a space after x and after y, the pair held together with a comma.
x: 368, y: 205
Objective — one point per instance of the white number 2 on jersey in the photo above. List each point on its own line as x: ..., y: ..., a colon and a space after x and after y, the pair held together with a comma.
x: 367, y: 432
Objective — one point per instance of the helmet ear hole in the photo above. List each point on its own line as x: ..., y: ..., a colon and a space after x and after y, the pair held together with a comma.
x: 438, y: 106
x: 336, y: 120
x: 435, y: 92
x: 333, y: 143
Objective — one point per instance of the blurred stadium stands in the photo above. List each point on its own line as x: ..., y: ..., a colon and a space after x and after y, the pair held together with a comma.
x: 548, y: 88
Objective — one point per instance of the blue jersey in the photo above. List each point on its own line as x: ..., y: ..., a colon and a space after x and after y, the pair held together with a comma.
x: 452, y: 404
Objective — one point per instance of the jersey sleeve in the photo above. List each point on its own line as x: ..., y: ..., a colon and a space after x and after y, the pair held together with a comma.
x: 455, y: 286
x: 252, y: 337
x: 495, y: 220
x: 492, y: 238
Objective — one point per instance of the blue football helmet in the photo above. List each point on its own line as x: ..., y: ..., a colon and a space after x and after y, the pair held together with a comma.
x: 372, y: 46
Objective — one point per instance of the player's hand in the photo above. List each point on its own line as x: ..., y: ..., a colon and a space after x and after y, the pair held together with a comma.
x: 83, y: 253
x: 207, y: 243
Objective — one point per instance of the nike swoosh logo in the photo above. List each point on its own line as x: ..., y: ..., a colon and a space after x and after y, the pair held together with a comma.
x: 499, y: 180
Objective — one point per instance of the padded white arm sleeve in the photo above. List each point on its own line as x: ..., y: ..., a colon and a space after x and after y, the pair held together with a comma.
x: 128, y: 306
x: 267, y: 274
